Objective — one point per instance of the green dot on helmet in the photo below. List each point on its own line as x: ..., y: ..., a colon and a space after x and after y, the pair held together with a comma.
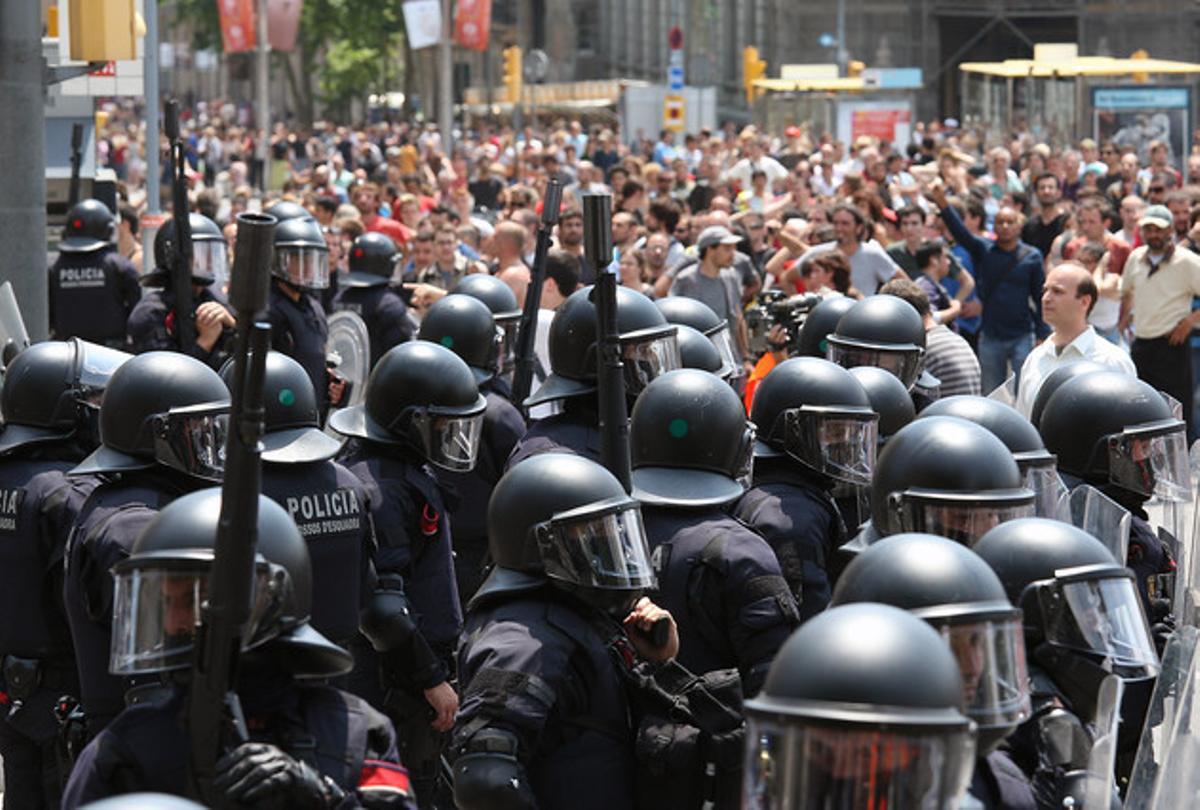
x: 287, y: 397
x: 448, y: 341
x: 678, y: 428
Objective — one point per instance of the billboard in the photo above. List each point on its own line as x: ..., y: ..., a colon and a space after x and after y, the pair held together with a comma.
x: 1134, y: 116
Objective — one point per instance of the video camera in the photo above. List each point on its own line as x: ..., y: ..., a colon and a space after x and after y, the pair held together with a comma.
x: 775, y: 308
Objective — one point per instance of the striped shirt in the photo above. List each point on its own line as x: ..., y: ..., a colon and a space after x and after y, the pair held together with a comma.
x: 949, y: 358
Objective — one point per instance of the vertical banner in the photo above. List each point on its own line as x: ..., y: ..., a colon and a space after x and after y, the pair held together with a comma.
x: 423, y: 23
x: 237, y: 25
x: 472, y: 21
x: 283, y: 23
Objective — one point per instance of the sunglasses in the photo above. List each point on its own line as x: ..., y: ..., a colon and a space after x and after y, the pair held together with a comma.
x: 1157, y: 189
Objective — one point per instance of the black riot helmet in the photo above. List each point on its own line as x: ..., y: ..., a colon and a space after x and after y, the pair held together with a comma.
x: 953, y: 589
x: 815, y: 412
x: 875, y: 720
x: 210, y: 258
x: 502, y: 301
x: 291, y: 419
x: 166, y: 408
x: 1111, y: 428
x: 1037, y: 464
x: 689, y: 441
x: 946, y: 476
x: 372, y: 260
x: 683, y: 311
x: 52, y: 392
x: 821, y: 322
x: 465, y: 326
x: 889, y: 398
x: 301, y: 254
x: 421, y: 396
x: 698, y: 352
x: 566, y: 519
x: 648, y: 346
x: 1082, y: 613
x: 884, y: 331
x: 286, y: 209
x: 90, y: 226
x: 1056, y: 378
x: 160, y: 587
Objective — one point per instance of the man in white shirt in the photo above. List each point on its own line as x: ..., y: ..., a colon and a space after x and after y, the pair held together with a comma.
x: 755, y: 160
x: 1068, y: 296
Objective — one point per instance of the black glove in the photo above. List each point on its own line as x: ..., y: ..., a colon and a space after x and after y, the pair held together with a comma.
x: 264, y: 776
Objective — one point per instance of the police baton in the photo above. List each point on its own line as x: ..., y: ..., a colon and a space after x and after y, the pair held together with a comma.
x: 523, y: 374
x: 181, y: 271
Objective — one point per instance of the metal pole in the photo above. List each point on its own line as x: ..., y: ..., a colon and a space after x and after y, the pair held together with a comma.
x: 262, y: 90
x: 842, y: 53
x: 153, y: 169
x: 446, y: 80
x: 23, y: 162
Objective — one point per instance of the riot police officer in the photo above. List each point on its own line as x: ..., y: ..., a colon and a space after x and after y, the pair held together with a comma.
x: 422, y: 408
x: 888, y: 398
x: 310, y: 745
x: 162, y: 427
x: 502, y: 301
x: 1037, y: 465
x: 465, y: 325
x: 648, y: 349
x: 885, y: 331
x: 151, y: 325
x: 1053, y: 380
x: 863, y: 708
x: 545, y: 714
x: 324, y: 499
x: 49, y: 425
x: 300, y: 270
x: 698, y: 352
x: 1083, y: 622
x: 367, y: 291
x: 1118, y: 434
x: 817, y: 429
x: 93, y: 288
x: 822, y: 321
x: 691, y: 448
x: 953, y: 589
x: 683, y: 311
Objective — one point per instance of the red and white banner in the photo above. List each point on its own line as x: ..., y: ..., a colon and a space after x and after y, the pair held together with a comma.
x: 237, y: 25
x: 472, y: 21
x: 283, y: 23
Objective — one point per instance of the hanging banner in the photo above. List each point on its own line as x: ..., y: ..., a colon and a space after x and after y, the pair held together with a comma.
x: 423, y: 22
x: 283, y: 23
x: 237, y: 25
x: 472, y: 21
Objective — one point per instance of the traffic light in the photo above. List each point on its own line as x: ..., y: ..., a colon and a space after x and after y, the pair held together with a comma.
x: 513, y: 72
x: 753, y: 69
x: 103, y: 30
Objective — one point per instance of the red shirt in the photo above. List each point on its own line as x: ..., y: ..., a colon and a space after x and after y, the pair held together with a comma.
x: 1118, y: 251
x: 397, y: 232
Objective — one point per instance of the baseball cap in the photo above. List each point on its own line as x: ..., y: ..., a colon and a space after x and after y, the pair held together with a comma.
x: 715, y: 235
x: 1157, y: 215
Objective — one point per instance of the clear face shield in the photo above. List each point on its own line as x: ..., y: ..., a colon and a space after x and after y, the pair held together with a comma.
x: 991, y: 655
x: 210, y: 259
x: 1101, y: 615
x: 1151, y: 460
x: 157, y: 605
x: 903, y: 362
x: 962, y: 517
x: 94, y: 366
x: 449, y: 441
x: 744, y: 471
x: 799, y: 765
x: 192, y: 439
x: 507, y: 352
x: 839, y: 443
x: 1040, y: 474
x: 601, y: 546
x: 648, y: 357
x: 721, y: 338
x: 303, y: 266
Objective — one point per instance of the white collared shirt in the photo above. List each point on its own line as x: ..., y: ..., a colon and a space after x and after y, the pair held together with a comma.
x: 1045, y: 358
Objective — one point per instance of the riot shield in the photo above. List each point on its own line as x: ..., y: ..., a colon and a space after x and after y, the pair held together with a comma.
x: 1102, y: 517
x: 1101, y: 783
x: 14, y: 339
x: 1167, y: 769
x: 1006, y: 392
x: 349, y: 349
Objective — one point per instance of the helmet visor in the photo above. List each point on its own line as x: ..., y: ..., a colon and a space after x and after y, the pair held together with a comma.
x: 210, y: 259
x: 838, y: 443
x: 94, y: 365
x: 449, y: 442
x: 903, y: 363
x: 1101, y: 616
x: 961, y: 518
x: 721, y: 338
x: 1042, y: 477
x: 1151, y: 460
x: 302, y: 266
x: 192, y: 439
x: 645, y: 360
x: 799, y: 766
x: 156, y: 610
x: 744, y: 470
x: 598, y: 547
x: 508, y: 343
x: 991, y: 655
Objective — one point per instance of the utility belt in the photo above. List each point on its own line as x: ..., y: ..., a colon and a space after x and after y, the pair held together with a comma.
x: 24, y: 677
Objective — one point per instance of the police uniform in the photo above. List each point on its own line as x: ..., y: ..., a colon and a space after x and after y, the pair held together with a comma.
x: 575, y: 430
x: 299, y: 330
x: 337, y: 734
x: 722, y: 583
x: 92, y: 295
x: 388, y: 320
x: 801, y: 523
x: 151, y: 327
x: 502, y: 429
x: 998, y: 784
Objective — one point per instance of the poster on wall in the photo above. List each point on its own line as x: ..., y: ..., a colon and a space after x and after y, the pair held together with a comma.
x: 1136, y: 116
x: 887, y: 121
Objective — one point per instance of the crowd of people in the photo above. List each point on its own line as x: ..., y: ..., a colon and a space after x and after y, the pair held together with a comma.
x: 808, y: 329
